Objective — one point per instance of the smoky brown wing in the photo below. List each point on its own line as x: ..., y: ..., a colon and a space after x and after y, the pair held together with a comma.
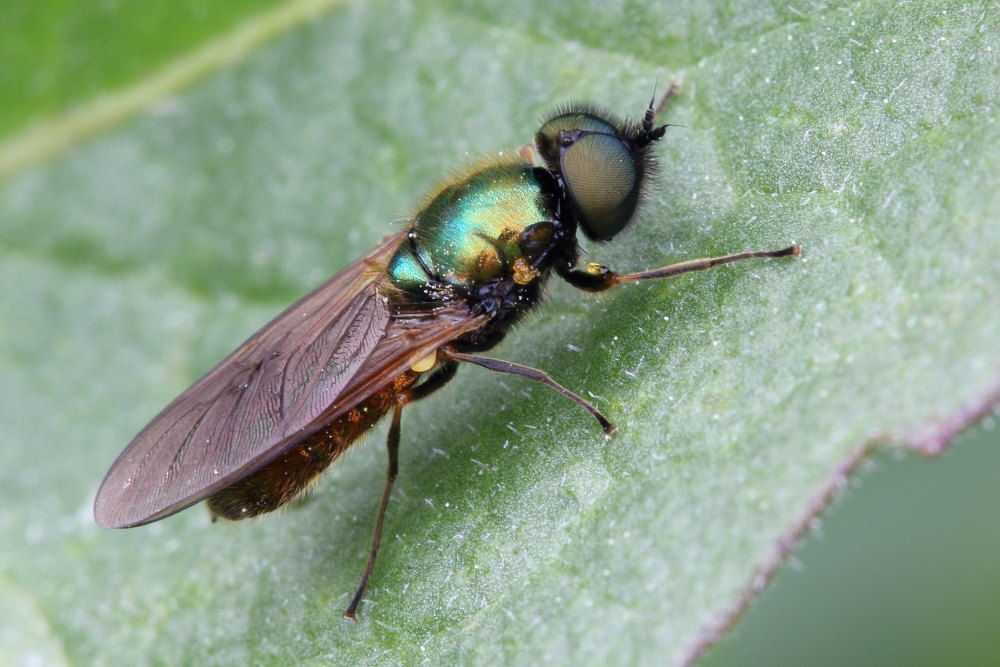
x: 263, y: 397
x: 409, y: 338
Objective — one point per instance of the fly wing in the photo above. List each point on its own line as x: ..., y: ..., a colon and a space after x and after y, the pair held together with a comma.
x: 284, y: 383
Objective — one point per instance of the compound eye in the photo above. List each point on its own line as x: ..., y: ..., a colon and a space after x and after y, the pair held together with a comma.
x: 602, y: 175
x: 551, y: 138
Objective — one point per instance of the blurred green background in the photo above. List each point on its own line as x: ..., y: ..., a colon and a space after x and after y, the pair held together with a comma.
x: 904, y: 569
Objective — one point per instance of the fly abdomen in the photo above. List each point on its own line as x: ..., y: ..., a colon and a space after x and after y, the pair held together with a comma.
x: 290, y: 475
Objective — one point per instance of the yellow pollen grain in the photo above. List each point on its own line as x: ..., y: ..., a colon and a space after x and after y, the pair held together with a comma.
x: 524, y: 273
x: 425, y: 364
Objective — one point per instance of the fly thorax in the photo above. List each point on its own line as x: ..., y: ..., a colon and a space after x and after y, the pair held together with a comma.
x: 493, y: 224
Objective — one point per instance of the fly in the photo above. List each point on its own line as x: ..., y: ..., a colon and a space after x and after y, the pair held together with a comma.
x: 394, y: 326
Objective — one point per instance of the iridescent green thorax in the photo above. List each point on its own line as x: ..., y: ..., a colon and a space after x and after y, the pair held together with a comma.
x: 470, y: 232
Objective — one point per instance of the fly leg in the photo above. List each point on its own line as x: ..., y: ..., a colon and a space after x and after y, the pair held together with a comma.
x: 390, y: 479
x: 535, y: 374
x: 597, y: 278
x: 435, y: 381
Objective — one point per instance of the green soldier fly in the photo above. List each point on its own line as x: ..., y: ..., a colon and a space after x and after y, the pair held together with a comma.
x: 395, y: 325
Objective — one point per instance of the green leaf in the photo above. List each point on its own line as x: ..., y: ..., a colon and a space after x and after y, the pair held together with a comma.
x: 903, y: 566
x: 57, y: 55
x: 135, y: 260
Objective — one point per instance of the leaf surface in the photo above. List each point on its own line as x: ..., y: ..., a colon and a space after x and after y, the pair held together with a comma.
x: 138, y: 258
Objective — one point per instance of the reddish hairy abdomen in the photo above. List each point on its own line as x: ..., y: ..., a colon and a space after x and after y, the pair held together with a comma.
x: 293, y: 472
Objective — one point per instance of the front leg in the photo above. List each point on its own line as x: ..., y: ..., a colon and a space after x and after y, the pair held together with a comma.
x: 597, y: 278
